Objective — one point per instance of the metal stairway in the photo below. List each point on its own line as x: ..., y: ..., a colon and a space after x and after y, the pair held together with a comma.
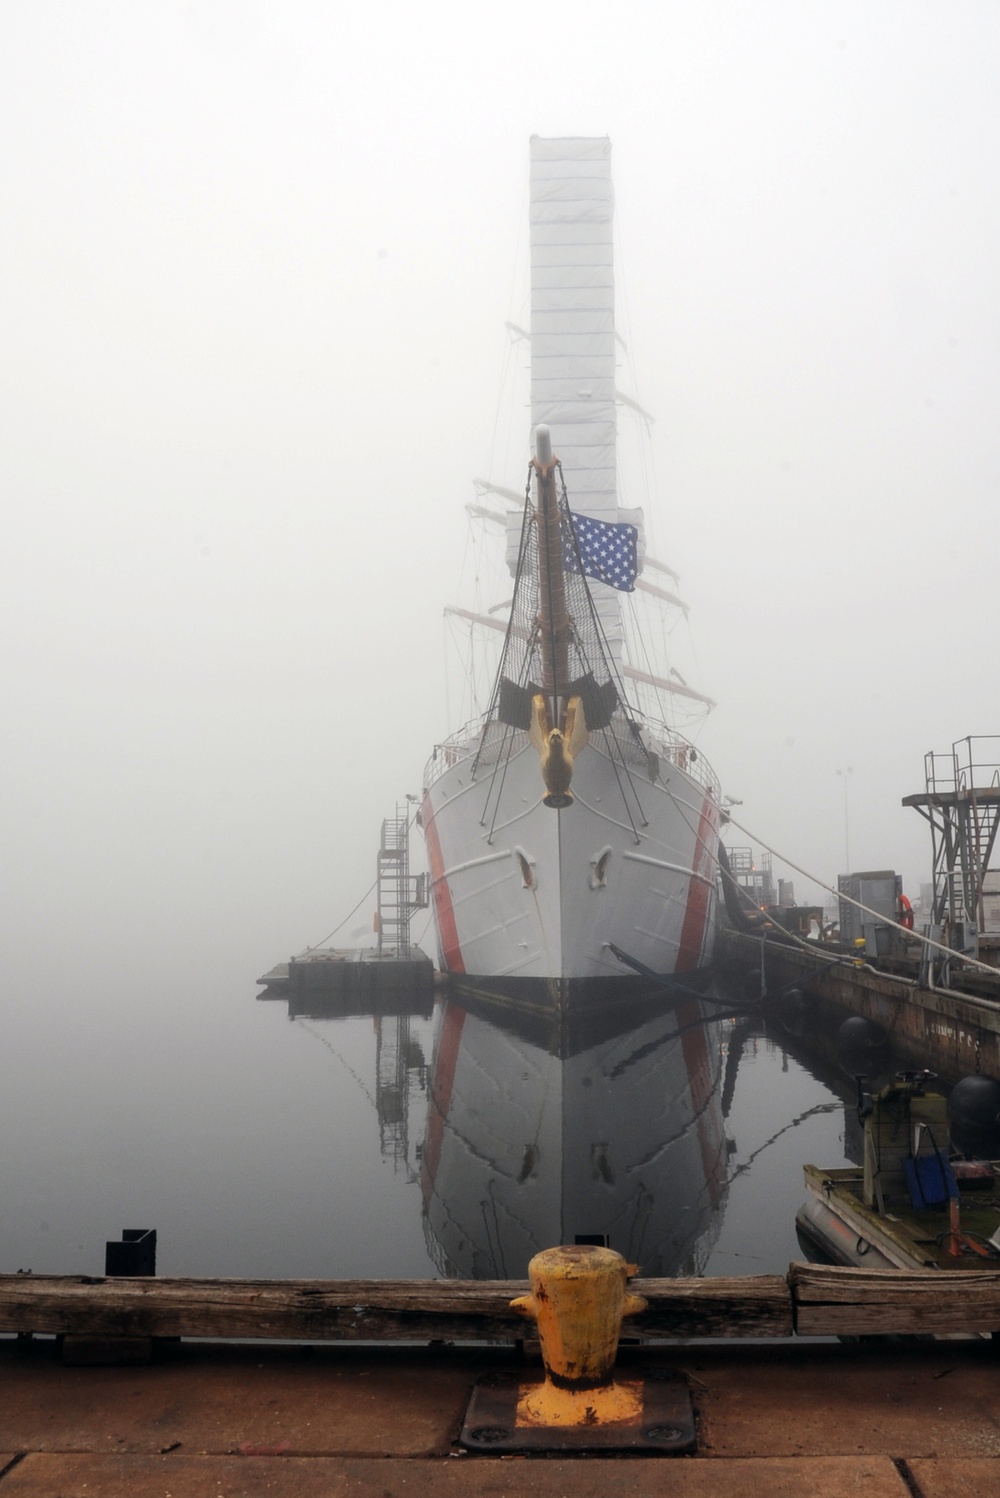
x: 961, y: 801
x: 399, y: 892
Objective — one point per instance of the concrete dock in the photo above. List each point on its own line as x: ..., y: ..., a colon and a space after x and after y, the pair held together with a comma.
x: 892, y: 1420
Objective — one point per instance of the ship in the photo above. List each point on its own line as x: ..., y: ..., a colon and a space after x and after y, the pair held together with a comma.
x: 572, y: 835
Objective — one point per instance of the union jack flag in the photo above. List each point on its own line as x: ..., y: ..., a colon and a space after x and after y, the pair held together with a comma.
x: 608, y: 553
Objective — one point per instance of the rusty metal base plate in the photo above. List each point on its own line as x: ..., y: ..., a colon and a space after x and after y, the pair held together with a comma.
x: 666, y: 1424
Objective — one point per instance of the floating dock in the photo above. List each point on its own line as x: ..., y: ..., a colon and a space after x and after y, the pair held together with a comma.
x: 328, y: 983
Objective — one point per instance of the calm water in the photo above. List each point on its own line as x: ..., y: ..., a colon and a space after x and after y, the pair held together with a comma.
x: 257, y: 1145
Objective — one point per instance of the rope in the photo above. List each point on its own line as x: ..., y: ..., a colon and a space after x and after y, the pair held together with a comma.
x: 411, y: 817
x: 938, y: 946
x: 317, y: 944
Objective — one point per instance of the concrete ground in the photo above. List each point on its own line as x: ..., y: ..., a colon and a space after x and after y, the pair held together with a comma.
x: 920, y: 1420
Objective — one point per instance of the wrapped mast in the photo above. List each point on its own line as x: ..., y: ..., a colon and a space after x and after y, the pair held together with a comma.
x: 573, y: 329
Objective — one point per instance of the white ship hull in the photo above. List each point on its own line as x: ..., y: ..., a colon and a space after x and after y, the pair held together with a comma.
x: 525, y: 892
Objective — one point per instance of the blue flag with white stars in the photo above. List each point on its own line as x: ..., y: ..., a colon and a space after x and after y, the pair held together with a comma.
x: 608, y: 553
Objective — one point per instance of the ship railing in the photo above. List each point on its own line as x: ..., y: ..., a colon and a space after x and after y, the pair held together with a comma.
x: 940, y: 773
x: 671, y: 747
x: 973, y: 764
x: 456, y: 746
x: 746, y: 861
x: 675, y: 749
x: 977, y: 763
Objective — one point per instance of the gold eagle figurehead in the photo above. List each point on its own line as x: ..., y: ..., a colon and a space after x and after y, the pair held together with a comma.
x: 557, y: 747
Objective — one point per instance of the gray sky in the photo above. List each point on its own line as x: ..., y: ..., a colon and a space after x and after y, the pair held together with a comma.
x: 256, y: 264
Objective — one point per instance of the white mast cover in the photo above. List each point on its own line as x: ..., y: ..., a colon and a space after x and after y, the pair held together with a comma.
x: 573, y: 328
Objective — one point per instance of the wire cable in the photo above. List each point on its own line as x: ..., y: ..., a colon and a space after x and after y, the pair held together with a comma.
x: 928, y: 941
x: 317, y: 944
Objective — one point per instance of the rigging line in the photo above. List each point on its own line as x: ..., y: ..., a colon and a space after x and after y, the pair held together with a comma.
x: 609, y: 660
x: 623, y: 281
x: 334, y: 1052
x: 637, y: 1230
x: 526, y: 524
x: 503, y: 752
x: 693, y: 644
x: 670, y: 985
x: 612, y: 747
x: 951, y: 952
x: 602, y: 639
x: 496, y: 1249
x: 410, y: 819
x: 697, y: 1114
x: 651, y: 1047
x: 809, y: 1113
x: 706, y: 846
x: 466, y: 667
x: 427, y: 927
x: 638, y: 647
x: 470, y: 673
x: 614, y: 766
x: 316, y: 945
x: 504, y: 755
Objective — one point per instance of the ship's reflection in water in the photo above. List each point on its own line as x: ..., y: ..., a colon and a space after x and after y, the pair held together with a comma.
x: 610, y: 1130
x: 316, y: 1139
x: 672, y: 1129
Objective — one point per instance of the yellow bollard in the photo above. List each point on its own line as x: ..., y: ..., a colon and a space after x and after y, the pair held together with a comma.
x: 578, y: 1298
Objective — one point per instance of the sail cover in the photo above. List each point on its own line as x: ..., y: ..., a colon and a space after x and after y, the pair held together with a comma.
x: 573, y: 328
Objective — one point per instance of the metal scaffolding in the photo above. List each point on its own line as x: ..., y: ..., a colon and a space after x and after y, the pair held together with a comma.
x: 961, y: 801
x: 751, y: 872
x: 399, y: 892
x: 400, y: 1070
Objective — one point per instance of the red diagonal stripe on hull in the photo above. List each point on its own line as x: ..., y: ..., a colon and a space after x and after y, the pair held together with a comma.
x: 444, y: 911
x: 698, y: 1060
x: 442, y: 1083
x: 696, y: 910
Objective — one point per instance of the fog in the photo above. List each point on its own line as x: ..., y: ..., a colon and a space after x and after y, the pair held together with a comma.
x: 256, y: 265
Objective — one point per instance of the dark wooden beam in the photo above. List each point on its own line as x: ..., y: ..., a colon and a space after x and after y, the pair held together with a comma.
x: 815, y: 1301
x: 830, y: 1301
x: 364, y: 1310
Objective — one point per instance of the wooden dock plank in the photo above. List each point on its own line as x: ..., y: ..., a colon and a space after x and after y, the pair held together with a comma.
x: 752, y: 1306
x: 833, y: 1301
x: 815, y: 1301
x: 364, y: 1310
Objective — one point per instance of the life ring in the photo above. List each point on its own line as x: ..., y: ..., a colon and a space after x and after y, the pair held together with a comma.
x: 905, y: 913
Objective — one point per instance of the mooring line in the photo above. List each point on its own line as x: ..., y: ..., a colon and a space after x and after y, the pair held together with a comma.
x: 928, y: 941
